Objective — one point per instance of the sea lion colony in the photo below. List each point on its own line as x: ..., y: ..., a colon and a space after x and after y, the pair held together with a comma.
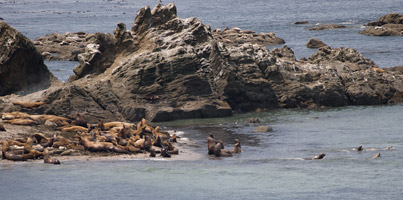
x: 115, y: 137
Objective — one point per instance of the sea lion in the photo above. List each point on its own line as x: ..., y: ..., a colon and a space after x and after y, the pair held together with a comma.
x: 152, y: 152
x: 237, y: 147
x: 173, y: 138
x: 359, y: 148
x: 219, y: 150
x: 376, y: 156
x: 319, y: 156
x: 10, y: 155
x: 74, y: 129
x: 29, y: 152
x: 14, y: 115
x: 124, y: 133
x: 110, y: 125
x: 210, y: 144
x: 2, y: 128
x: 22, y: 122
x: 80, y: 121
x: 101, y: 125
x: 389, y: 148
x: 171, y: 148
x: 48, y: 159
x: 29, y: 104
x: 165, y: 153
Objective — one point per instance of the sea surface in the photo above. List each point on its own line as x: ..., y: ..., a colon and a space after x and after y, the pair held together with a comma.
x: 273, y: 164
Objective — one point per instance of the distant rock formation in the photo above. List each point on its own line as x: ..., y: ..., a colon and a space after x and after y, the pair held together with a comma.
x: 388, y: 25
x: 21, y: 65
x: 315, y: 43
x: 326, y: 27
x: 167, y: 68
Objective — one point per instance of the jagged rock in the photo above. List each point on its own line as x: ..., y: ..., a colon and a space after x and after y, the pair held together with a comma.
x: 388, y: 25
x: 315, y: 43
x: 65, y: 46
x: 326, y: 27
x: 21, y: 65
x: 238, y: 36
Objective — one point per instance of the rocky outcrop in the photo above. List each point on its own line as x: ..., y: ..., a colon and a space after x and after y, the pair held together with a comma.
x: 388, y: 25
x: 65, y: 46
x: 236, y: 35
x: 326, y: 27
x: 167, y: 68
x: 21, y: 66
x: 315, y: 43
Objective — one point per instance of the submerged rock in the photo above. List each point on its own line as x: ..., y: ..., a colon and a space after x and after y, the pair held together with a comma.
x: 315, y: 43
x: 326, y: 27
x: 388, y: 25
x: 21, y: 65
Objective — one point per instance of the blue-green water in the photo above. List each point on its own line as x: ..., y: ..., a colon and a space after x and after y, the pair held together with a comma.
x: 271, y: 166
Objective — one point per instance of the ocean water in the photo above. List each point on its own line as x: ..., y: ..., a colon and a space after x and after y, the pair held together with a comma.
x: 272, y: 165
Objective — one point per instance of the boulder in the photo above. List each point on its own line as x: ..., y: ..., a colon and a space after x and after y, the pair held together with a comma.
x: 21, y: 65
x: 315, y: 43
x: 388, y: 25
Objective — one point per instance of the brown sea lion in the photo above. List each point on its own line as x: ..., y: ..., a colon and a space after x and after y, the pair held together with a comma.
x: 125, y: 132
x: 80, y: 121
x: 101, y: 125
x: 173, y: 138
x: 22, y: 122
x: 29, y: 152
x: 95, y: 146
x: 14, y: 115
x: 10, y: 155
x: 2, y: 128
x: 29, y: 104
x: 210, y: 144
x: 237, y: 147
x: 319, y: 156
x: 48, y: 159
x: 376, y: 156
x: 74, y: 129
x: 219, y: 150
x: 152, y: 152
x: 389, y: 148
x: 165, y: 153
x: 172, y: 149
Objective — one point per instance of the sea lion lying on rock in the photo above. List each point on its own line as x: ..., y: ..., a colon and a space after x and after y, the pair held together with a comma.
x: 23, y: 122
x: 11, y: 155
x: 29, y: 104
x: 14, y: 115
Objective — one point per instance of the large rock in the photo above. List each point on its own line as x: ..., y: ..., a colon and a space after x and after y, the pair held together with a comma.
x: 315, y: 43
x: 167, y: 68
x: 21, y: 65
x: 388, y: 25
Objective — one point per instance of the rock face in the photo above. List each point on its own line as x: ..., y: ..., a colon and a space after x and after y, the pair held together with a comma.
x: 326, y: 27
x: 315, y: 43
x: 236, y: 35
x: 65, y: 46
x: 21, y: 66
x: 167, y: 68
x: 388, y: 25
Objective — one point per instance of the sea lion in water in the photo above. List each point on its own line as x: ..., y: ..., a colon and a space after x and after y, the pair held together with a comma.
x: 319, y: 156
x: 389, y: 148
x: 48, y: 159
x: 219, y: 150
x: 237, y: 147
x: 377, y: 156
x: 210, y: 144
x: 359, y: 148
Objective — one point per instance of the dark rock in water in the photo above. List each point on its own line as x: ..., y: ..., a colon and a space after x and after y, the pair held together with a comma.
x: 262, y: 129
x: 21, y: 66
x: 301, y: 22
x: 326, y: 27
x: 388, y: 25
x: 315, y: 43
